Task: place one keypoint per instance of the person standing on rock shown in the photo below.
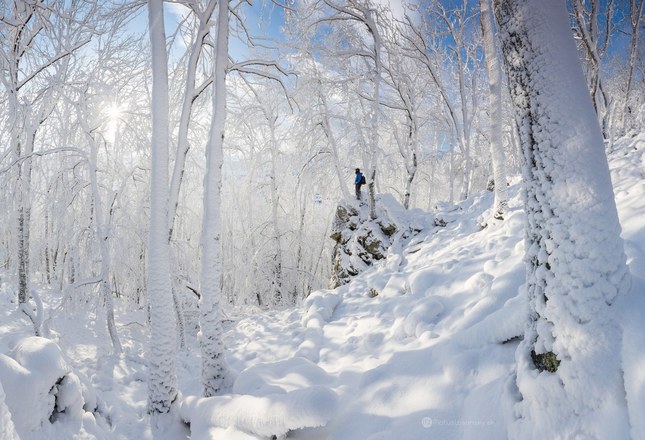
(358, 182)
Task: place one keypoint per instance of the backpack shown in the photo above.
(363, 181)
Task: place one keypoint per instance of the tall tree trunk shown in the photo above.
(24, 227)
(376, 102)
(102, 237)
(575, 257)
(212, 347)
(464, 135)
(635, 16)
(162, 383)
(46, 252)
(190, 94)
(275, 203)
(494, 69)
(411, 169)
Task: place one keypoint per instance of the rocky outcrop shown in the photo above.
(360, 242)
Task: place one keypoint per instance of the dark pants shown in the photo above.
(358, 191)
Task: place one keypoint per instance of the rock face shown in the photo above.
(360, 242)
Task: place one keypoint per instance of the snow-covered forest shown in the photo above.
(183, 253)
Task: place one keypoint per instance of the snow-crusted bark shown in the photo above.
(495, 85)
(162, 382)
(568, 369)
(212, 347)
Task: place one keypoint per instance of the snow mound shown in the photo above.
(280, 377)
(42, 392)
(420, 319)
(7, 430)
(500, 326)
(270, 415)
(269, 399)
(320, 306)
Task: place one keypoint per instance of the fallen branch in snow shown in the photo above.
(37, 317)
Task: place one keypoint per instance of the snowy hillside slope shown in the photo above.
(428, 352)
(431, 356)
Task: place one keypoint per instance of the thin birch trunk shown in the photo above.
(494, 68)
(162, 383)
(212, 346)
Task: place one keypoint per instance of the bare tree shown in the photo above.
(425, 43)
(365, 14)
(34, 64)
(595, 42)
(635, 17)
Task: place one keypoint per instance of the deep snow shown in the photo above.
(432, 356)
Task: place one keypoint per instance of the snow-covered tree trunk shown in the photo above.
(103, 237)
(275, 204)
(635, 16)
(162, 382)
(212, 347)
(411, 169)
(494, 69)
(370, 22)
(464, 134)
(568, 371)
(191, 92)
(24, 222)
(24, 225)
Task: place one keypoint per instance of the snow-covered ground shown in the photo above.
(430, 356)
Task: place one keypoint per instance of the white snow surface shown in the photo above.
(432, 356)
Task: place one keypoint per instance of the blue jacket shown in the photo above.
(359, 177)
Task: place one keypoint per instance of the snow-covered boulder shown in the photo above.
(41, 388)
